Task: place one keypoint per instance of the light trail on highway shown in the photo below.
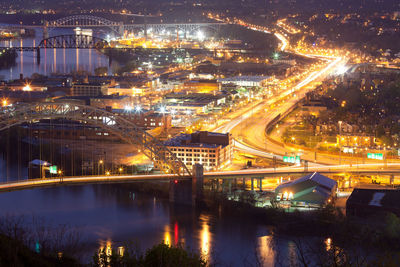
(366, 169)
(333, 63)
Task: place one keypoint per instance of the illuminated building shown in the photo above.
(311, 190)
(212, 150)
(202, 86)
(89, 89)
(247, 81)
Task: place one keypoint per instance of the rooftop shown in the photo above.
(244, 78)
(185, 140)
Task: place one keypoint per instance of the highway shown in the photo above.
(363, 169)
(248, 128)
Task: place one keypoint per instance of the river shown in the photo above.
(118, 214)
(52, 60)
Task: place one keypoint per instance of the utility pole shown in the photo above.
(340, 142)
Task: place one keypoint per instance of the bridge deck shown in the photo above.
(367, 169)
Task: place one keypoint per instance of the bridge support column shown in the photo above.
(188, 192)
(252, 184)
(38, 56)
(229, 186)
(244, 183)
(391, 181)
(260, 184)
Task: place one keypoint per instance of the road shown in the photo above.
(366, 169)
(248, 128)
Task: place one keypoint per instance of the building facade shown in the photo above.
(89, 89)
(212, 150)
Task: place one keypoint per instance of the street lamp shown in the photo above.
(98, 166)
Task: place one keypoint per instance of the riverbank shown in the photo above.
(379, 234)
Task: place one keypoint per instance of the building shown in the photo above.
(354, 140)
(201, 86)
(311, 190)
(129, 91)
(212, 150)
(247, 81)
(147, 119)
(11, 97)
(195, 103)
(100, 101)
(89, 89)
(367, 202)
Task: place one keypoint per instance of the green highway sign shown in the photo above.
(53, 169)
(375, 156)
(291, 159)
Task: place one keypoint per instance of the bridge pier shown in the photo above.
(188, 192)
(38, 56)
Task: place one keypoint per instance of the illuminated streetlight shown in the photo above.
(27, 88)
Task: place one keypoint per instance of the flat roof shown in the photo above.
(245, 78)
(182, 141)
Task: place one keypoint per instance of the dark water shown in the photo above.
(117, 214)
(52, 60)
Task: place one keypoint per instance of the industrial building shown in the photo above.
(311, 190)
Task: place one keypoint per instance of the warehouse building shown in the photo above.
(311, 190)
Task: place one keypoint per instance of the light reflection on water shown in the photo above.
(52, 60)
(109, 217)
(205, 238)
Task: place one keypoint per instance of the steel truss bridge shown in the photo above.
(125, 129)
(70, 41)
(89, 21)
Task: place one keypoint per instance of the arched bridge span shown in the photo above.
(125, 129)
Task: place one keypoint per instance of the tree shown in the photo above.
(100, 71)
